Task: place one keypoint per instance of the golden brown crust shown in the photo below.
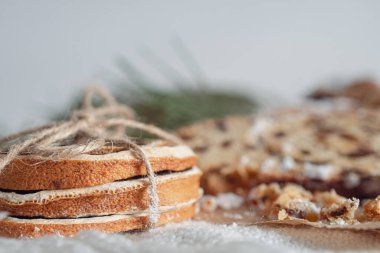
(130, 199)
(31, 230)
(28, 174)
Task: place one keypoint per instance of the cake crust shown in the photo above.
(31, 228)
(119, 197)
(87, 170)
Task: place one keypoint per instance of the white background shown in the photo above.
(50, 50)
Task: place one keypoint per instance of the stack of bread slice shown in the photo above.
(106, 190)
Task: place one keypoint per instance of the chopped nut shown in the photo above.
(264, 195)
(294, 202)
(283, 215)
(372, 209)
(303, 209)
(327, 199)
(344, 211)
(208, 203)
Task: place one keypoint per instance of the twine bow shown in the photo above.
(87, 130)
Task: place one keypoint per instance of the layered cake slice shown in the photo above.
(106, 190)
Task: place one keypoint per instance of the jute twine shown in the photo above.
(87, 130)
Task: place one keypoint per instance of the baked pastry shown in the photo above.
(318, 149)
(86, 173)
(220, 145)
(291, 201)
(363, 93)
(125, 196)
(30, 228)
(110, 187)
(103, 166)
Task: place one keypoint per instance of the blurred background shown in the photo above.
(274, 52)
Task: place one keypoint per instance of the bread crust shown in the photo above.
(172, 189)
(29, 174)
(10, 228)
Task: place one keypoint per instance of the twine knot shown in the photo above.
(87, 130)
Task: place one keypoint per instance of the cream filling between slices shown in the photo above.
(134, 210)
(119, 186)
(157, 152)
(179, 151)
(101, 219)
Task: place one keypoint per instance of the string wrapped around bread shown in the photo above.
(87, 130)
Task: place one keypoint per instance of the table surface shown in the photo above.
(207, 233)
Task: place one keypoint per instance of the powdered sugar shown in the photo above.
(226, 201)
(303, 204)
(338, 221)
(318, 171)
(259, 126)
(287, 148)
(235, 216)
(352, 180)
(288, 163)
(229, 200)
(244, 160)
(195, 236)
(268, 165)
